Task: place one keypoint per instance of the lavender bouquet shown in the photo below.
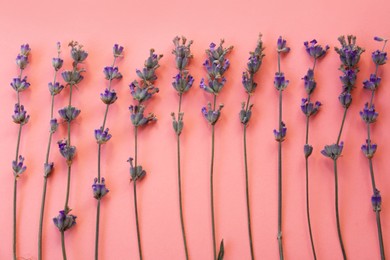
(182, 83)
(349, 56)
(280, 84)
(64, 220)
(102, 136)
(254, 62)
(54, 88)
(21, 118)
(369, 116)
(216, 65)
(309, 109)
(141, 91)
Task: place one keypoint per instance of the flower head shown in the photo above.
(77, 52)
(55, 88)
(345, 99)
(64, 221)
(182, 82)
(53, 125)
(248, 83)
(67, 151)
(256, 57)
(282, 45)
(117, 50)
(368, 114)
(179, 124)
(369, 149)
(245, 114)
(307, 150)
(48, 169)
(372, 83)
(101, 136)
(348, 79)
(69, 113)
(280, 82)
(151, 63)
(25, 49)
(112, 73)
(109, 96)
(310, 84)
(20, 115)
(280, 135)
(218, 54)
(376, 201)
(379, 57)
(349, 52)
(18, 166)
(21, 61)
(333, 151)
(210, 115)
(182, 52)
(99, 189)
(137, 116)
(142, 93)
(136, 173)
(72, 77)
(308, 108)
(57, 63)
(19, 84)
(315, 50)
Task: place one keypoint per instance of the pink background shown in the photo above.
(140, 26)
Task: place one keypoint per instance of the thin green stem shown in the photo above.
(308, 209)
(18, 143)
(247, 194)
(307, 129)
(99, 155)
(41, 218)
(14, 218)
(337, 209)
(136, 219)
(212, 183)
(280, 180)
(97, 231)
(66, 207)
(342, 125)
(63, 246)
(381, 246)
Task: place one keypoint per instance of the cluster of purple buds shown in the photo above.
(282, 45)
(19, 84)
(280, 135)
(349, 52)
(248, 83)
(137, 116)
(182, 52)
(20, 115)
(77, 53)
(53, 125)
(57, 63)
(22, 58)
(376, 201)
(67, 151)
(48, 169)
(308, 108)
(348, 79)
(345, 99)
(109, 96)
(369, 115)
(136, 173)
(280, 82)
(182, 82)
(142, 93)
(372, 83)
(213, 86)
(72, 77)
(379, 57)
(179, 124)
(69, 113)
(101, 136)
(99, 189)
(111, 73)
(256, 57)
(369, 149)
(18, 167)
(307, 150)
(64, 221)
(211, 115)
(55, 88)
(117, 50)
(314, 50)
(309, 82)
(148, 73)
(245, 114)
(333, 151)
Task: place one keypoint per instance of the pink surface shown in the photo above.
(141, 25)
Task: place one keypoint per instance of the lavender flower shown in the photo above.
(376, 201)
(138, 118)
(77, 52)
(182, 52)
(21, 61)
(109, 96)
(314, 50)
(140, 93)
(136, 173)
(48, 169)
(182, 82)
(372, 83)
(151, 62)
(57, 63)
(308, 108)
(99, 189)
(245, 113)
(101, 136)
(282, 45)
(55, 88)
(349, 52)
(280, 135)
(369, 149)
(310, 83)
(64, 221)
(345, 99)
(177, 125)
(18, 167)
(280, 82)
(333, 151)
(19, 84)
(20, 115)
(307, 150)
(67, 151)
(25, 50)
(211, 115)
(69, 113)
(112, 73)
(117, 50)
(72, 77)
(379, 57)
(348, 79)
(53, 125)
(368, 114)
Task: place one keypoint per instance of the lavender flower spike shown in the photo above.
(333, 151)
(64, 221)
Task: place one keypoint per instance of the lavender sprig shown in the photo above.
(349, 56)
(254, 62)
(141, 91)
(309, 109)
(68, 114)
(216, 65)
(280, 84)
(182, 83)
(102, 136)
(54, 88)
(21, 118)
(369, 116)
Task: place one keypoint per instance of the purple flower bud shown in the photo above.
(333, 151)
(345, 99)
(280, 82)
(349, 79)
(19, 84)
(378, 39)
(183, 82)
(369, 149)
(20, 115)
(177, 125)
(136, 173)
(307, 150)
(55, 88)
(69, 113)
(308, 108)
(182, 52)
(21, 61)
(67, 151)
(108, 97)
(372, 83)
(53, 125)
(210, 115)
(25, 49)
(99, 189)
(314, 50)
(248, 83)
(57, 63)
(77, 52)
(137, 116)
(18, 167)
(368, 114)
(379, 57)
(245, 114)
(310, 84)
(376, 201)
(151, 63)
(117, 50)
(101, 136)
(349, 52)
(280, 135)
(48, 169)
(282, 45)
(64, 221)
(141, 94)
(72, 77)
(112, 73)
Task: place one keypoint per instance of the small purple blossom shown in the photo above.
(333, 151)
(18, 167)
(19, 84)
(53, 125)
(310, 84)
(218, 54)
(378, 39)
(151, 62)
(349, 52)
(57, 63)
(112, 73)
(349, 79)
(141, 94)
(307, 150)
(109, 96)
(67, 151)
(256, 58)
(245, 114)
(25, 49)
(101, 136)
(376, 201)
(280, 82)
(280, 135)
(210, 115)
(55, 88)
(308, 108)
(99, 189)
(64, 221)
(72, 77)
(248, 83)
(314, 50)
(136, 173)
(77, 52)
(179, 124)
(368, 114)
(182, 52)
(48, 169)
(182, 82)
(379, 57)
(282, 45)
(21, 61)
(117, 50)
(369, 149)
(372, 83)
(20, 115)
(137, 116)
(345, 99)
(69, 113)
